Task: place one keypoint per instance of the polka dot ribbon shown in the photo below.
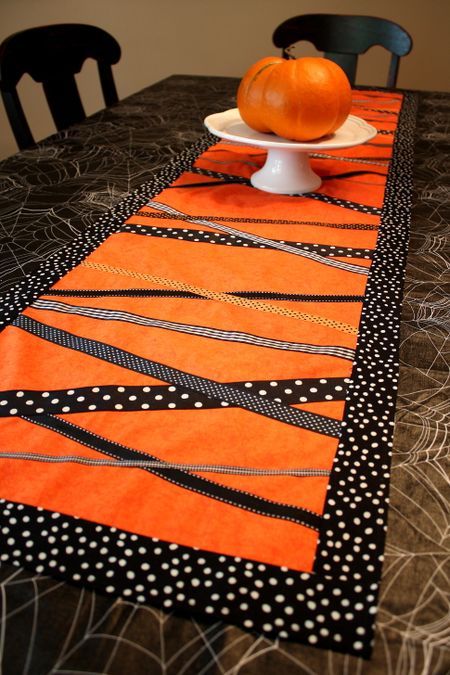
(224, 297)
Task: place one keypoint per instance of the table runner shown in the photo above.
(251, 345)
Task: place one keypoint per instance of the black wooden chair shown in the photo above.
(52, 55)
(343, 38)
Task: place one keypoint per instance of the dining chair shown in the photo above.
(343, 38)
(53, 55)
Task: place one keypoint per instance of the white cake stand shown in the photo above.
(287, 169)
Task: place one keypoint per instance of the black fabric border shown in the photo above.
(335, 606)
(275, 601)
(358, 491)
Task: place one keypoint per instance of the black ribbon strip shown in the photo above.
(234, 497)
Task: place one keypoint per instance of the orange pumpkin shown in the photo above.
(299, 99)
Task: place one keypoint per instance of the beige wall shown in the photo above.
(217, 37)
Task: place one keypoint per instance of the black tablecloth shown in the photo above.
(58, 189)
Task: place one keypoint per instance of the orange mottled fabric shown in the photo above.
(209, 340)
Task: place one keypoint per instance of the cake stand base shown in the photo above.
(286, 172)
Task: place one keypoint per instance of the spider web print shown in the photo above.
(53, 628)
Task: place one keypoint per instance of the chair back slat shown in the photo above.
(107, 83)
(393, 70)
(348, 63)
(64, 101)
(18, 121)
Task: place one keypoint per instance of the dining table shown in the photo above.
(209, 576)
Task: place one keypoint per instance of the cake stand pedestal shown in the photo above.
(287, 169)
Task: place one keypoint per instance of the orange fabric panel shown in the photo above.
(137, 500)
(159, 509)
(238, 200)
(223, 316)
(245, 269)
(290, 232)
(227, 361)
(222, 436)
(36, 364)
